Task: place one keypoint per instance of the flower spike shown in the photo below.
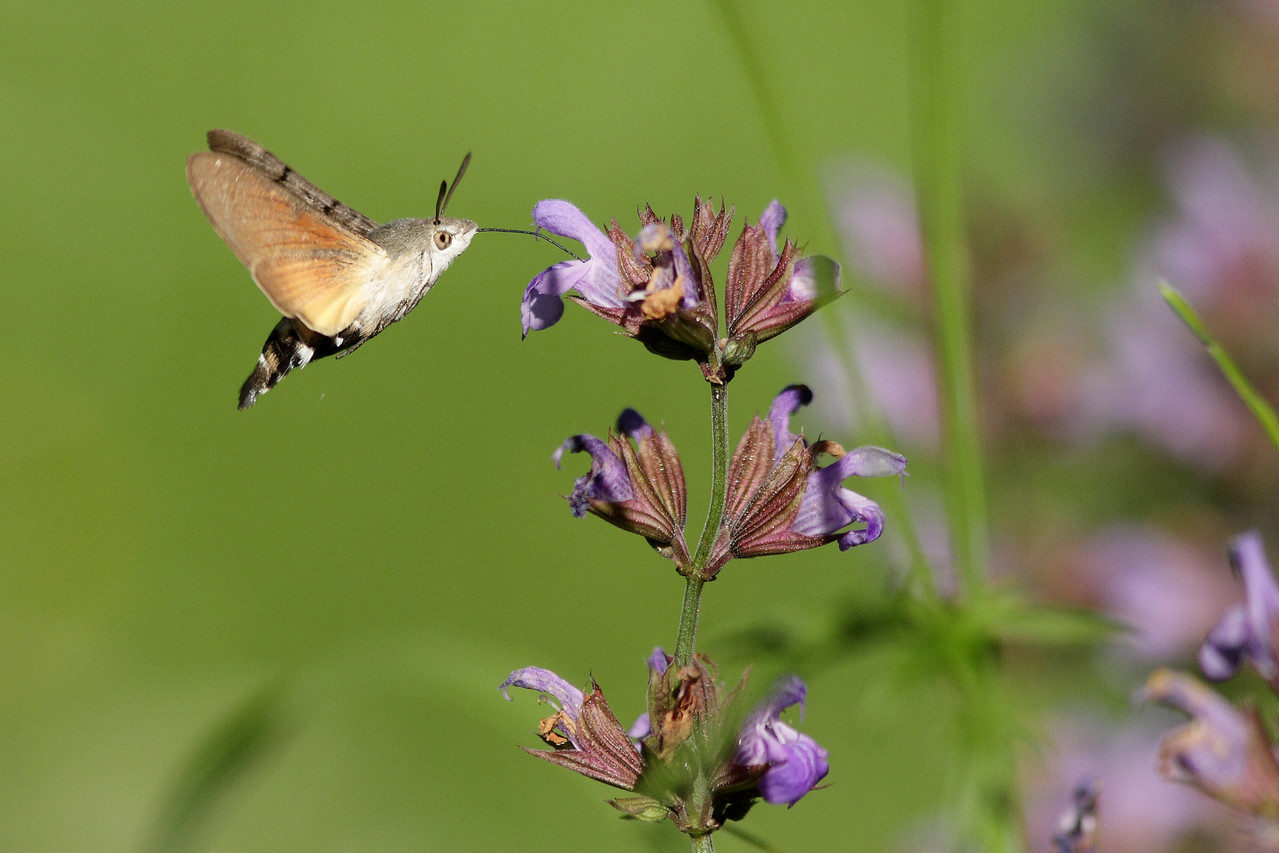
(657, 286)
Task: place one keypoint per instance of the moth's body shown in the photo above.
(337, 276)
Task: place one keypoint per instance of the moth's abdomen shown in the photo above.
(290, 346)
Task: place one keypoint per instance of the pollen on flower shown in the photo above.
(832, 448)
(546, 729)
(664, 302)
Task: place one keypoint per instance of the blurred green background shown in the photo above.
(381, 539)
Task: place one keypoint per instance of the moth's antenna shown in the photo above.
(535, 234)
(446, 191)
(439, 200)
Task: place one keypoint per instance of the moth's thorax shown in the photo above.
(414, 261)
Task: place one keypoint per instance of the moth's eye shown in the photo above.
(443, 239)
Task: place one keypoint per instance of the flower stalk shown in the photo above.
(686, 637)
(697, 757)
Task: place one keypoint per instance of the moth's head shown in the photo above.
(450, 237)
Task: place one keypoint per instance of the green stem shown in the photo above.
(686, 639)
(936, 151)
(687, 636)
(703, 844)
(1256, 404)
(719, 473)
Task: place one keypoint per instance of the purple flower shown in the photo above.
(583, 732)
(649, 286)
(1249, 629)
(595, 279)
(658, 289)
(1141, 811)
(874, 207)
(1223, 751)
(780, 501)
(636, 482)
(768, 290)
(795, 762)
(685, 732)
(568, 699)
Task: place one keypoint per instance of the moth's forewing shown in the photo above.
(307, 263)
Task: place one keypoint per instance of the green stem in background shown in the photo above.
(871, 427)
(687, 636)
(935, 104)
(734, 20)
(1260, 409)
(984, 784)
(801, 189)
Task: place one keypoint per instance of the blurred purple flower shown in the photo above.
(1155, 381)
(874, 211)
(1221, 249)
(1249, 630)
(1162, 586)
(1077, 828)
(874, 208)
(795, 761)
(1140, 811)
(1223, 243)
(1223, 751)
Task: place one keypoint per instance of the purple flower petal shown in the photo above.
(828, 507)
(795, 762)
(1261, 599)
(1247, 630)
(568, 697)
(1226, 645)
(816, 277)
(1223, 751)
(785, 404)
(567, 220)
(632, 423)
(772, 220)
(607, 480)
(595, 279)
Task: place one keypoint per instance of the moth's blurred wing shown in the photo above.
(310, 267)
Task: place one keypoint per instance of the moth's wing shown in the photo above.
(307, 263)
(238, 145)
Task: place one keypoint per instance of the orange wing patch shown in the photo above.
(310, 268)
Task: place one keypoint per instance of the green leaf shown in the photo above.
(238, 742)
(646, 809)
(1052, 625)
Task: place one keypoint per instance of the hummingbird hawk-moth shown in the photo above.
(338, 277)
